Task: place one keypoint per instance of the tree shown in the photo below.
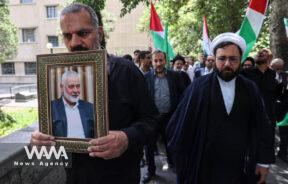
(185, 20)
(8, 34)
(278, 37)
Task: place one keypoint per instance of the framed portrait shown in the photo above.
(73, 97)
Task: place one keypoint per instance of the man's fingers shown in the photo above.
(99, 148)
(105, 155)
(42, 143)
(40, 136)
(103, 140)
(40, 139)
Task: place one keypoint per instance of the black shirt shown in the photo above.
(266, 83)
(130, 110)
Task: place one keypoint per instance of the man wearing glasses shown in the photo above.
(216, 135)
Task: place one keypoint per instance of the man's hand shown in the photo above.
(262, 172)
(40, 139)
(111, 146)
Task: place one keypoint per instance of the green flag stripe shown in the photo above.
(247, 32)
(286, 22)
(163, 45)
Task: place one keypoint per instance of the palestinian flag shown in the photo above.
(160, 35)
(206, 44)
(252, 23)
(284, 122)
(286, 25)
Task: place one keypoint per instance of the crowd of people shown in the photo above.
(216, 116)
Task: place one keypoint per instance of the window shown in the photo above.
(30, 68)
(8, 69)
(53, 40)
(26, 1)
(51, 11)
(28, 35)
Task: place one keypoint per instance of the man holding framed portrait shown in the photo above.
(114, 158)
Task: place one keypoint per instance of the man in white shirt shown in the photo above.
(72, 117)
(209, 67)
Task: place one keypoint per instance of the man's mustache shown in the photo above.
(227, 70)
(79, 48)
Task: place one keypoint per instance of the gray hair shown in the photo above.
(77, 7)
(69, 74)
(277, 61)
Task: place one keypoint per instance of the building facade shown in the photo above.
(37, 22)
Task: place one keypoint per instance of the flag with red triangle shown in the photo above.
(206, 44)
(160, 35)
(252, 23)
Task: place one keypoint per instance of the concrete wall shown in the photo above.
(12, 149)
(126, 38)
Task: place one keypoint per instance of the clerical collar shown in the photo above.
(228, 92)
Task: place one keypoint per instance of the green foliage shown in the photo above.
(8, 34)
(185, 19)
(129, 5)
(13, 119)
(97, 5)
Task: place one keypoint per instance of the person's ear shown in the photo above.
(100, 33)
(61, 87)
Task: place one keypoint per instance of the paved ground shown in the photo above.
(278, 175)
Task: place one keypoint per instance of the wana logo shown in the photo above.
(44, 153)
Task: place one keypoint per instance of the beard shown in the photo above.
(79, 48)
(71, 98)
(227, 74)
(159, 70)
(260, 62)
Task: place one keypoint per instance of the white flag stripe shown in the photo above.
(256, 19)
(161, 33)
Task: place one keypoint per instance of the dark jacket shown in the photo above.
(175, 83)
(282, 100)
(130, 110)
(266, 83)
(187, 129)
(59, 120)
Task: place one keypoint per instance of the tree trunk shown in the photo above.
(278, 37)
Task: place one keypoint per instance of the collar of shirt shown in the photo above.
(228, 92)
(68, 106)
(207, 71)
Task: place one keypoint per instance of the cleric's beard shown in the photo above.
(227, 76)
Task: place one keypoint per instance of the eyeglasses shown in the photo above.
(231, 59)
(247, 65)
(83, 33)
(210, 60)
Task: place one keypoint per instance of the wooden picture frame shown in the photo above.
(92, 69)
